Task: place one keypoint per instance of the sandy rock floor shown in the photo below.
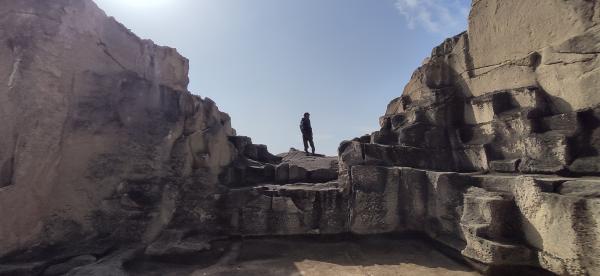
(309, 257)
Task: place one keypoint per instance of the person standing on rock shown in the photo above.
(307, 134)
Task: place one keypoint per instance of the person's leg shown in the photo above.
(305, 141)
(312, 145)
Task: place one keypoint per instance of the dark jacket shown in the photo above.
(305, 127)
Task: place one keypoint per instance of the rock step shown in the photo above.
(292, 209)
(488, 227)
(291, 167)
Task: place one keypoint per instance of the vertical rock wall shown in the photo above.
(100, 136)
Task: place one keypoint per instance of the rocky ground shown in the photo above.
(317, 256)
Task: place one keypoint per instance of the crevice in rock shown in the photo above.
(582, 60)
(593, 12)
(7, 173)
(105, 50)
(468, 58)
(583, 223)
(536, 60)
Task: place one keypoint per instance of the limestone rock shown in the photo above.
(292, 209)
(375, 204)
(513, 87)
(310, 168)
(101, 136)
(496, 220)
(516, 94)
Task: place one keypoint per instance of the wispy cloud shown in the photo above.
(444, 17)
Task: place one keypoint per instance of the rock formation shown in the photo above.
(100, 136)
(109, 165)
(511, 109)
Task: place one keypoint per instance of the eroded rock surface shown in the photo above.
(514, 102)
(102, 142)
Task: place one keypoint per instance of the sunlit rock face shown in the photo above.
(510, 111)
(100, 137)
(516, 93)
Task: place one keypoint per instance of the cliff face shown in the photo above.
(99, 133)
(511, 109)
(516, 88)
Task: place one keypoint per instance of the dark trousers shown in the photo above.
(308, 139)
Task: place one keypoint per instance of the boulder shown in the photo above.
(309, 168)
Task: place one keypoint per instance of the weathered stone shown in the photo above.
(297, 174)
(264, 155)
(108, 134)
(292, 209)
(505, 165)
(490, 229)
(310, 168)
(375, 207)
(112, 265)
(64, 268)
(173, 243)
(589, 188)
(282, 173)
(566, 221)
(22, 269)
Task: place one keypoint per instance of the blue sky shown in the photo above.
(266, 62)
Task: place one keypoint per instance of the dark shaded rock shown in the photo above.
(586, 165)
(173, 243)
(64, 268)
(240, 142)
(587, 189)
(263, 155)
(282, 173)
(24, 269)
(297, 174)
(505, 165)
(111, 265)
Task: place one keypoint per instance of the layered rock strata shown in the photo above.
(511, 107)
(494, 220)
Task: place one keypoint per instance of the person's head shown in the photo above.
(306, 115)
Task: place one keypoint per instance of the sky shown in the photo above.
(266, 62)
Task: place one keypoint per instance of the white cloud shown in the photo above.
(445, 17)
